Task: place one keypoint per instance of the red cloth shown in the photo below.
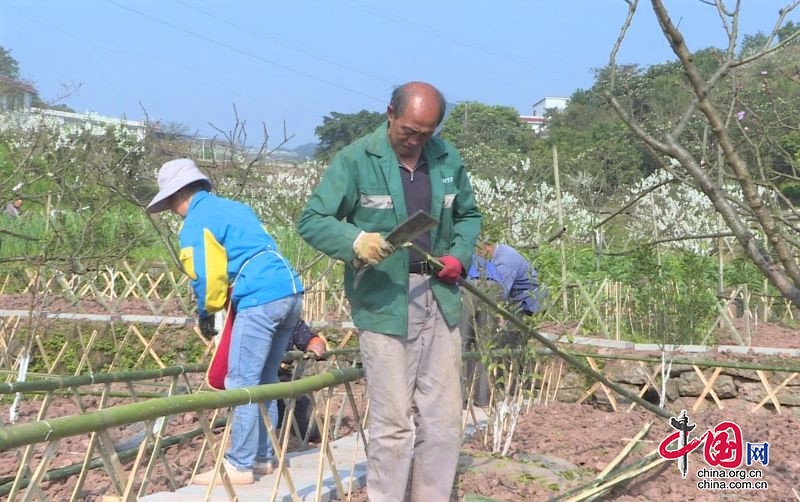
(452, 269)
(218, 368)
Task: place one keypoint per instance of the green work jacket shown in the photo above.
(362, 190)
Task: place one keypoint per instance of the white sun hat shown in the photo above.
(173, 176)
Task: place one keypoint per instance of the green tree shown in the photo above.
(789, 30)
(9, 67)
(594, 144)
(492, 139)
(499, 127)
(340, 129)
(751, 44)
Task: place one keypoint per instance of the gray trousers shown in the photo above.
(421, 369)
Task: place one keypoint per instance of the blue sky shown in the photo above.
(295, 61)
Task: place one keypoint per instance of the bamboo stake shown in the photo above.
(533, 385)
(5, 283)
(28, 452)
(33, 487)
(649, 383)
(770, 393)
(87, 458)
(708, 389)
(617, 480)
(42, 351)
(767, 300)
(625, 451)
(557, 181)
(148, 345)
(748, 336)
(591, 305)
(352, 400)
(326, 447)
(558, 381)
(543, 388)
(118, 354)
(60, 354)
(280, 450)
(352, 471)
(219, 471)
(777, 389)
(157, 450)
(618, 310)
(549, 383)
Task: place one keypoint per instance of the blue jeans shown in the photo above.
(259, 340)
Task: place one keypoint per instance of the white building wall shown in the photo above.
(536, 120)
(547, 103)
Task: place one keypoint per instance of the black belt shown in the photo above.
(420, 267)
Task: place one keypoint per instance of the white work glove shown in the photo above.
(371, 248)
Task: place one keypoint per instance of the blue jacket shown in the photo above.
(515, 275)
(223, 241)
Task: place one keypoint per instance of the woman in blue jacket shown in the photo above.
(224, 246)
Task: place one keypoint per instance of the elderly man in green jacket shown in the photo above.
(406, 313)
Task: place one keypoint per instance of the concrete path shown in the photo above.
(349, 456)
(303, 469)
(351, 462)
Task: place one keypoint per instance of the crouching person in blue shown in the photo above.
(514, 275)
(507, 277)
(223, 245)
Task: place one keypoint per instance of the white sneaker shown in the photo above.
(236, 476)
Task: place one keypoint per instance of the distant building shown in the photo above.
(98, 123)
(540, 109)
(71, 123)
(16, 99)
(15, 94)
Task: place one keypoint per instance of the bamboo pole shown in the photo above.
(616, 480)
(60, 382)
(564, 300)
(748, 318)
(23, 434)
(689, 362)
(569, 359)
(625, 451)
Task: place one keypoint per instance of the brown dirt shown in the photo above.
(591, 438)
(57, 304)
(583, 436)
